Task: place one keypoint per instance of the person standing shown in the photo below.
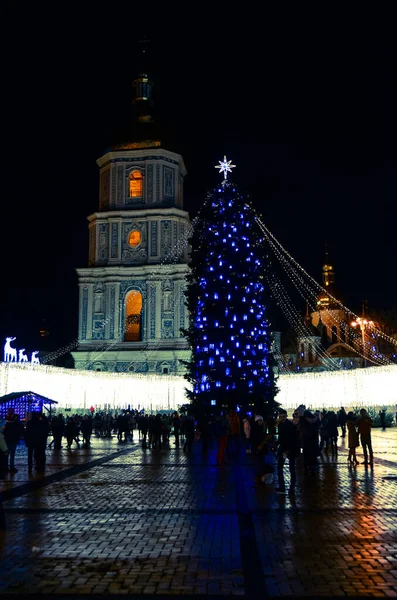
(247, 434)
(12, 435)
(3, 451)
(309, 426)
(364, 429)
(333, 431)
(234, 433)
(86, 430)
(342, 421)
(176, 422)
(29, 439)
(382, 414)
(352, 438)
(288, 447)
(189, 434)
(144, 428)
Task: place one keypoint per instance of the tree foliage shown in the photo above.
(229, 332)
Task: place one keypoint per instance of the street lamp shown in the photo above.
(362, 323)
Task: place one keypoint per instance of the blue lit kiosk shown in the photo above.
(24, 403)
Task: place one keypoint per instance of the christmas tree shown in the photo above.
(229, 334)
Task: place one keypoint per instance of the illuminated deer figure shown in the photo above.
(22, 357)
(35, 358)
(10, 354)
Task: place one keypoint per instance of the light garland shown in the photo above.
(317, 285)
(78, 389)
(295, 319)
(298, 281)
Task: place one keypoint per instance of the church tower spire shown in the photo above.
(328, 281)
(143, 85)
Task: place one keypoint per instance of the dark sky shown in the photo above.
(304, 105)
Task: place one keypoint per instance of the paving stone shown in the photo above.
(117, 520)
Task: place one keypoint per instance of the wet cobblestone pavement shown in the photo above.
(116, 520)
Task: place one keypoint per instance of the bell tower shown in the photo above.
(131, 296)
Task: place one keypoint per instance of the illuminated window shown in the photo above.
(136, 184)
(133, 317)
(134, 239)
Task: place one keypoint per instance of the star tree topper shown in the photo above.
(224, 167)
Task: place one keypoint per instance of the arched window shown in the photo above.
(134, 239)
(343, 331)
(136, 184)
(133, 316)
(334, 334)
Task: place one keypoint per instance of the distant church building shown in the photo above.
(131, 300)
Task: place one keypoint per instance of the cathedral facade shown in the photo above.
(131, 295)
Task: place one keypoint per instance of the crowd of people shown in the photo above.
(269, 443)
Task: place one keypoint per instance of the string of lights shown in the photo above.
(300, 283)
(295, 319)
(316, 284)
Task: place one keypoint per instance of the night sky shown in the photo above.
(307, 113)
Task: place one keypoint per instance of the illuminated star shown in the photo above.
(224, 167)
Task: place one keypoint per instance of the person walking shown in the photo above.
(364, 429)
(352, 438)
(57, 428)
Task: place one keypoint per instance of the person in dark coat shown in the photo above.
(176, 422)
(309, 426)
(342, 417)
(189, 434)
(333, 431)
(70, 431)
(86, 430)
(36, 434)
(382, 415)
(144, 428)
(352, 438)
(260, 447)
(288, 447)
(12, 434)
(57, 428)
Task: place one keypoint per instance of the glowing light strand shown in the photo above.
(316, 284)
(298, 282)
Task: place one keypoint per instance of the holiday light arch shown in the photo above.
(79, 389)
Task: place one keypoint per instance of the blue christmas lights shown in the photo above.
(231, 262)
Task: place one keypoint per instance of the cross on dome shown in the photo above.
(224, 167)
